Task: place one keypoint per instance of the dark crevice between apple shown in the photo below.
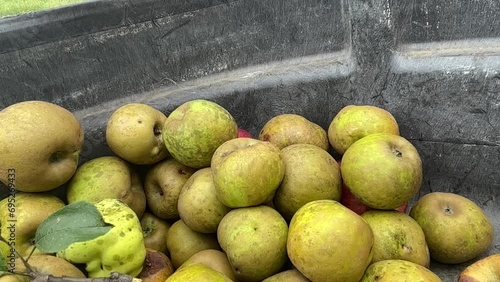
(157, 131)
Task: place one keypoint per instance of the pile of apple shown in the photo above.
(297, 203)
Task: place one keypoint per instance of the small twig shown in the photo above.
(114, 277)
(25, 262)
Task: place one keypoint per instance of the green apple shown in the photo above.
(107, 177)
(40, 143)
(329, 242)
(198, 204)
(155, 232)
(398, 270)
(397, 236)
(456, 229)
(254, 239)
(133, 132)
(383, 171)
(246, 172)
(20, 217)
(483, 270)
(287, 129)
(195, 129)
(163, 184)
(183, 242)
(354, 122)
(311, 173)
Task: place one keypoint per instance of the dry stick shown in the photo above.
(113, 277)
(26, 264)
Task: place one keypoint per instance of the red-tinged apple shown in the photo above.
(383, 171)
(350, 201)
(242, 133)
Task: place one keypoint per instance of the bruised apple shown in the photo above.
(157, 267)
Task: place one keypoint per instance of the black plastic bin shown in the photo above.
(434, 64)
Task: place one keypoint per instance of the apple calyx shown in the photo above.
(397, 152)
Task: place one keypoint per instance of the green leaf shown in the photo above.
(76, 222)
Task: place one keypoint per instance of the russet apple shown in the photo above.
(133, 132)
(43, 264)
(254, 239)
(40, 144)
(163, 184)
(195, 129)
(354, 122)
(215, 259)
(183, 242)
(198, 204)
(329, 242)
(287, 129)
(398, 270)
(107, 177)
(311, 173)
(197, 273)
(383, 171)
(20, 218)
(456, 229)
(246, 172)
(290, 275)
(397, 236)
(486, 269)
(155, 232)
